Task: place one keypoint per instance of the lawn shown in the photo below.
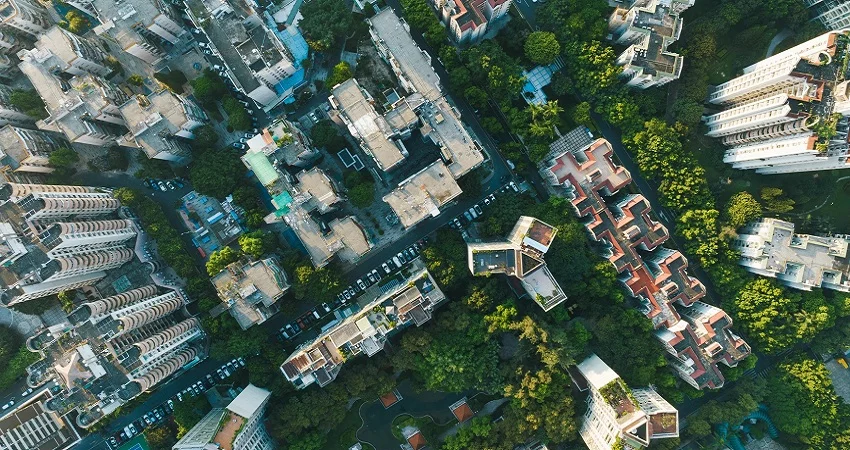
(345, 434)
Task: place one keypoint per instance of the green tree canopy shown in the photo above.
(775, 200)
(316, 285)
(341, 72)
(542, 47)
(29, 102)
(220, 259)
(216, 173)
(208, 88)
(741, 209)
(325, 135)
(324, 22)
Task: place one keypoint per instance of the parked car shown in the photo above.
(7, 405)
(473, 213)
(396, 262)
(203, 45)
(346, 294)
(207, 52)
(170, 185)
(26, 392)
(371, 277)
(361, 284)
(313, 117)
(467, 216)
(162, 186)
(226, 371)
(513, 186)
(179, 397)
(386, 268)
(196, 30)
(478, 210)
(401, 257)
(486, 202)
(376, 274)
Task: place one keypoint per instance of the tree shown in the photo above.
(162, 437)
(189, 412)
(656, 149)
(542, 47)
(75, 22)
(136, 79)
(220, 259)
(237, 114)
(476, 97)
(66, 298)
(446, 259)
(741, 209)
(208, 88)
(315, 285)
(252, 244)
(324, 22)
(325, 135)
(701, 229)
(340, 73)
(776, 318)
(116, 158)
(581, 114)
(775, 200)
(29, 102)
(216, 173)
(205, 137)
(64, 161)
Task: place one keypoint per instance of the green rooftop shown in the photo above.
(282, 202)
(262, 167)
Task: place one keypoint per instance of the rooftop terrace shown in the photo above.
(423, 194)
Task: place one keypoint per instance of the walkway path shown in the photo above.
(828, 197)
(781, 36)
(377, 420)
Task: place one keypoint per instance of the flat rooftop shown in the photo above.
(126, 17)
(448, 131)
(411, 60)
(138, 111)
(365, 123)
(492, 260)
(320, 187)
(423, 194)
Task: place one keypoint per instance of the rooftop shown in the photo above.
(251, 289)
(122, 20)
(249, 401)
(423, 194)
(214, 224)
(320, 187)
(445, 128)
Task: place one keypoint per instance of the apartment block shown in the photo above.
(286, 140)
(162, 125)
(30, 425)
(300, 200)
(521, 257)
(146, 29)
(371, 130)
(656, 277)
(250, 290)
(84, 107)
(28, 151)
(213, 224)
(469, 21)
(619, 417)
(789, 112)
(238, 426)
(59, 238)
(26, 16)
(381, 311)
(9, 114)
(69, 53)
(648, 27)
(833, 14)
(770, 248)
(422, 194)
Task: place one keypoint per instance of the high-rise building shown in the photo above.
(787, 113)
(696, 336)
(468, 21)
(31, 425)
(146, 29)
(648, 27)
(833, 14)
(28, 151)
(238, 426)
(619, 417)
(27, 16)
(69, 53)
(58, 238)
(769, 247)
(521, 257)
(250, 290)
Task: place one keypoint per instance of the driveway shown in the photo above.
(377, 420)
(840, 379)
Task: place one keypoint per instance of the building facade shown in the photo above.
(469, 21)
(28, 151)
(648, 27)
(789, 112)
(26, 16)
(769, 247)
(619, 417)
(833, 14)
(696, 336)
(71, 54)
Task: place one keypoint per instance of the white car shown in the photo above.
(7, 405)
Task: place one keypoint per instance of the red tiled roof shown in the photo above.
(417, 441)
(389, 399)
(463, 412)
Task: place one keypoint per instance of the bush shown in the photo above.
(29, 102)
(341, 72)
(136, 79)
(174, 80)
(116, 159)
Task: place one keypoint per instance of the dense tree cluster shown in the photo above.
(15, 355)
(325, 135)
(341, 72)
(361, 188)
(29, 102)
(325, 22)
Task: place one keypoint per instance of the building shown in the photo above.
(162, 125)
(619, 417)
(696, 336)
(250, 290)
(26, 16)
(769, 247)
(68, 53)
(423, 194)
(28, 151)
(381, 312)
(30, 425)
(371, 130)
(521, 256)
(84, 107)
(833, 14)
(647, 28)
(238, 426)
(9, 114)
(213, 224)
(787, 113)
(300, 201)
(256, 58)
(58, 238)
(468, 21)
(146, 29)
(459, 151)
(287, 141)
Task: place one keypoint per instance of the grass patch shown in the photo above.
(345, 434)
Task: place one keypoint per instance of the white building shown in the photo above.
(769, 247)
(648, 27)
(70, 53)
(620, 417)
(787, 113)
(27, 16)
(28, 151)
(833, 14)
(238, 426)
(468, 21)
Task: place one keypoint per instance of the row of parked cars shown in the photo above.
(162, 411)
(310, 318)
(164, 185)
(11, 401)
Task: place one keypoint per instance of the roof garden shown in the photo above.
(620, 397)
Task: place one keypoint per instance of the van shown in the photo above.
(316, 314)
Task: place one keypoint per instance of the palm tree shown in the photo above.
(551, 109)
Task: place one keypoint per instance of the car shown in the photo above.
(162, 186)
(234, 362)
(241, 361)
(313, 117)
(196, 30)
(220, 373)
(396, 262)
(216, 67)
(301, 324)
(203, 45)
(113, 441)
(401, 257)
(326, 307)
(492, 197)
(513, 186)
(346, 294)
(473, 213)
(26, 392)
(179, 397)
(170, 185)
(245, 104)
(132, 429)
(352, 291)
(361, 284)
(456, 223)
(249, 135)
(409, 253)
(468, 216)
(478, 210)
(207, 52)
(250, 112)
(285, 335)
(371, 277)
(243, 140)
(226, 371)
(376, 274)
(386, 268)
(7, 405)
(159, 415)
(486, 202)
(147, 183)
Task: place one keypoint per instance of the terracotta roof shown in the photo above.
(417, 441)
(389, 399)
(463, 412)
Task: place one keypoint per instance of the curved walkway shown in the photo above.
(828, 197)
(781, 36)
